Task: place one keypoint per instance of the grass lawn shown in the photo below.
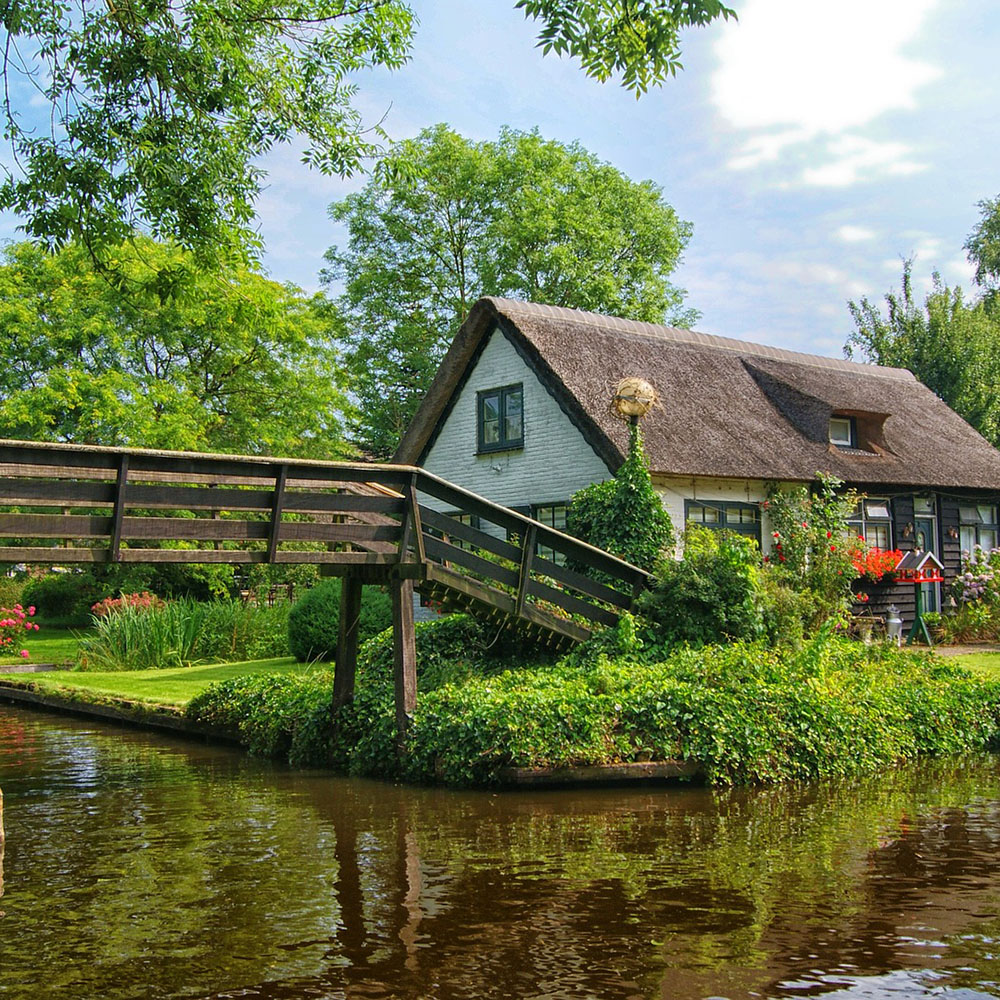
(156, 687)
(985, 665)
(49, 645)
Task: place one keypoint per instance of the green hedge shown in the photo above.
(314, 621)
(745, 712)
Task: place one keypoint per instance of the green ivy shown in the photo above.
(747, 713)
(624, 515)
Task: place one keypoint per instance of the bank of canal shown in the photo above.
(138, 866)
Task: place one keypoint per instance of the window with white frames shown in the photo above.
(873, 522)
(842, 432)
(978, 526)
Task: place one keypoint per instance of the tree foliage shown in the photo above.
(639, 42)
(160, 110)
(983, 245)
(521, 217)
(153, 114)
(950, 343)
(158, 354)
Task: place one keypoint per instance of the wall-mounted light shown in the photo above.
(908, 529)
(953, 533)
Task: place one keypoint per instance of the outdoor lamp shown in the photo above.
(633, 398)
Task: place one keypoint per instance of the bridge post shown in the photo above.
(347, 641)
(404, 651)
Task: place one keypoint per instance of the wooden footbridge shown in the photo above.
(389, 525)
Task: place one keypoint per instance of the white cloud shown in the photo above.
(852, 159)
(792, 73)
(855, 234)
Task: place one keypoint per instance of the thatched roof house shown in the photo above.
(519, 412)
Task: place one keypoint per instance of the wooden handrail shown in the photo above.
(112, 498)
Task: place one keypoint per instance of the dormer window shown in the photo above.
(842, 432)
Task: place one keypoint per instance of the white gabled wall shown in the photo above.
(555, 461)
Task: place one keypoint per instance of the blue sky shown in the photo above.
(812, 145)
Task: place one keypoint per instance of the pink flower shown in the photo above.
(24, 653)
(31, 610)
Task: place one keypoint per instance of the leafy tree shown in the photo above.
(522, 217)
(165, 356)
(983, 245)
(625, 515)
(154, 114)
(951, 344)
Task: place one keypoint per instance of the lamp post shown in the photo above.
(634, 398)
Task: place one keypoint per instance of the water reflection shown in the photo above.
(141, 868)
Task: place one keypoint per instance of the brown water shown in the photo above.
(141, 867)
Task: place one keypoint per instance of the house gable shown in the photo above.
(555, 459)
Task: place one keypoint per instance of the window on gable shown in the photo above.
(842, 432)
(500, 419)
(978, 526)
(741, 517)
(873, 522)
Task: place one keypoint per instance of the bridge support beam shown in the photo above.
(404, 656)
(347, 641)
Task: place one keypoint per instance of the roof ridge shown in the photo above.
(677, 335)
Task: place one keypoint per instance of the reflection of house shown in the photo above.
(519, 413)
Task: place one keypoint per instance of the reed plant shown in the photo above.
(182, 633)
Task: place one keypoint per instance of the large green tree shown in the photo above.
(522, 217)
(164, 355)
(983, 245)
(125, 114)
(950, 342)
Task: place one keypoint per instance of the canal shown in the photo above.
(138, 866)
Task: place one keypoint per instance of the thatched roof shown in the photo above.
(727, 408)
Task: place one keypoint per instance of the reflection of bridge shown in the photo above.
(370, 524)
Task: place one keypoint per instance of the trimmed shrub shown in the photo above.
(314, 620)
(65, 597)
(625, 515)
(11, 591)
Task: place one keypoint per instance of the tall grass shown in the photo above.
(183, 633)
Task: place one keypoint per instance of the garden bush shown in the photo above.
(745, 712)
(314, 620)
(62, 597)
(715, 592)
(11, 590)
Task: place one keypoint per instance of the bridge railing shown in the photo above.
(68, 504)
